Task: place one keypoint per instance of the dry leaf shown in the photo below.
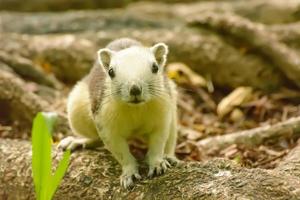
(237, 97)
(182, 74)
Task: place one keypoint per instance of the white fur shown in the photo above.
(118, 120)
(79, 102)
(133, 66)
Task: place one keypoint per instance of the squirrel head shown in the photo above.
(135, 74)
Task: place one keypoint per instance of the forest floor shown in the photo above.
(198, 119)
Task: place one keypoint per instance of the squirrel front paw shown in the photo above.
(129, 173)
(172, 160)
(72, 143)
(69, 142)
(158, 167)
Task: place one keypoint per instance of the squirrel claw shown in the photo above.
(127, 179)
(172, 160)
(159, 168)
(73, 143)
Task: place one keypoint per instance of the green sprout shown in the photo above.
(45, 182)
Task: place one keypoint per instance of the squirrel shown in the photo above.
(126, 94)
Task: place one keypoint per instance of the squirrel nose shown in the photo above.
(135, 90)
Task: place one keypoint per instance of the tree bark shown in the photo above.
(70, 57)
(57, 5)
(147, 14)
(27, 69)
(21, 105)
(95, 175)
(255, 34)
(288, 33)
(229, 65)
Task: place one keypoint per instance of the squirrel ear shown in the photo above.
(160, 51)
(104, 57)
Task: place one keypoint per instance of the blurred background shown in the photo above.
(236, 64)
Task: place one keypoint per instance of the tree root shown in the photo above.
(252, 137)
(22, 105)
(71, 57)
(56, 5)
(68, 57)
(291, 162)
(287, 33)
(255, 34)
(145, 15)
(95, 175)
(27, 69)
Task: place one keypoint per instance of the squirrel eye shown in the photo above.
(154, 68)
(111, 73)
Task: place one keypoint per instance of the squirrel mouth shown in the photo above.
(136, 101)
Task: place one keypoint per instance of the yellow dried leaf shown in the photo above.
(237, 97)
(181, 73)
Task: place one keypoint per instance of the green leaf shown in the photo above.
(41, 153)
(45, 184)
(59, 173)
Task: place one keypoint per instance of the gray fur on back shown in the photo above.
(122, 43)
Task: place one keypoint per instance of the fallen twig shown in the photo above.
(252, 137)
